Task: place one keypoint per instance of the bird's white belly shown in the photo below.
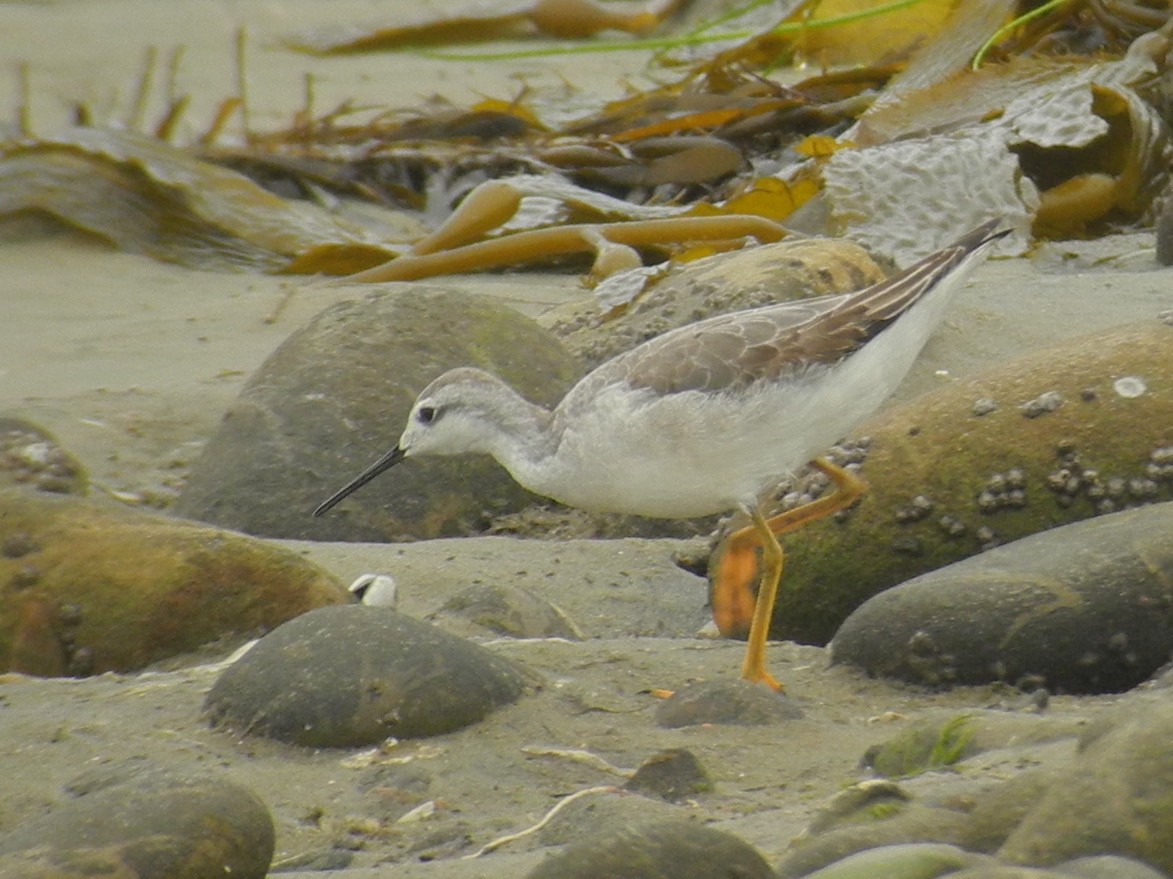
(696, 453)
(690, 454)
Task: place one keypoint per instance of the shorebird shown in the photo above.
(707, 417)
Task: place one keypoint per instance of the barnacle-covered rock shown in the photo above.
(985, 479)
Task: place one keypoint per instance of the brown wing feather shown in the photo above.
(734, 350)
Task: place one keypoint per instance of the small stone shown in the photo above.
(726, 701)
(668, 850)
(984, 406)
(673, 775)
(1046, 402)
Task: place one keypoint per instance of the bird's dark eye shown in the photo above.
(426, 414)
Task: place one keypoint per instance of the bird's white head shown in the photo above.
(459, 412)
(464, 410)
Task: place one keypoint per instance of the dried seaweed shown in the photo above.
(911, 139)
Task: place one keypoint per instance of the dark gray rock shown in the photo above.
(1081, 608)
(1115, 798)
(336, 395)
(154, 826)
(354, 675)
(669, 850)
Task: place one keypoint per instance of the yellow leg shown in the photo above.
(753, 668)
(736, 568)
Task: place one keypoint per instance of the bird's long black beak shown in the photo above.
(386, 462)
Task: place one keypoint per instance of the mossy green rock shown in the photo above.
(939, 448)
(89, 587)
(336, 395)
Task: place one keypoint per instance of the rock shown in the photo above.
(1108, 867)
(158, 826)
(668, 850)
(1000, 808)
(733, 701)
(876, 825)
(672, 775)
(30, 456)
(505, 609)
(352, 675)
(335, 396)
(1115, 798)
(92, 587)
(1164, 230)
(918, 860)
(764, 275)
(941, 740)
(1070, 607)
(926, 746)
(986, 479)
(1006, 871)
(604, 814)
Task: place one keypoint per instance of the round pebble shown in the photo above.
(733, 701)
(353, 675)
(668, 850)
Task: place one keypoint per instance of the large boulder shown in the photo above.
(90, 587)
(336, 395)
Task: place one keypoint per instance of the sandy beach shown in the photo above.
(131, 364)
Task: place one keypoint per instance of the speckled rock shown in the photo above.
(1076, 608)
(355, 675)
(158, 827)
(1115, 798)
(947, 482)
(668, 850)
(335, 396)
(89, 587)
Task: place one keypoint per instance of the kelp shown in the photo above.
(897, 152)
(567, 19)
(144, 196)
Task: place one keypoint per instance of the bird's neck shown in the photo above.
(525, 438)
